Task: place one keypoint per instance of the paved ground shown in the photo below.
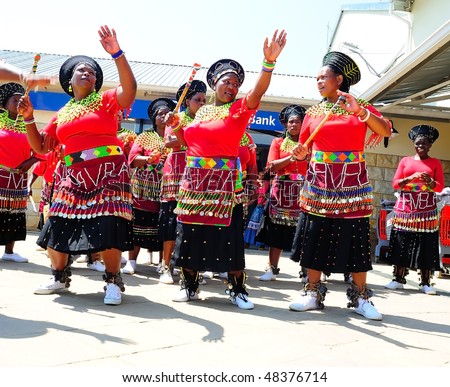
(149, 330)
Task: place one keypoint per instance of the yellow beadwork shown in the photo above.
(245, 140)
(212, 113)
(75, 109)
(7, 123)
(151, 141)
(288, 144)
(324, 107)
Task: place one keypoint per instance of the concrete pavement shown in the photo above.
(149, 330)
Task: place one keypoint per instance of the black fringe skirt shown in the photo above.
(145, 230)
(332, 245)
(211, 248)
(13, 227)
(414, 250)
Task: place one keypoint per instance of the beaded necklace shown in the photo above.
(7, 123)
(212, 113)
(75, 109)
(185, 119)
(324, 107)
(245, 141)
(150, 140)
(288, 144)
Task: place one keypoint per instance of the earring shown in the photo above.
(70, 88)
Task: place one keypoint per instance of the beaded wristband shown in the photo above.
(177, 127)
(29, 122)
(367, 116)
(117, 55)
(267, 66)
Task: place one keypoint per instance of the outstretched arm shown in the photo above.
(126, 92)
(12, 73)
(271, 52)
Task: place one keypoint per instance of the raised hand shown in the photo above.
(276, 45)
(108, 39)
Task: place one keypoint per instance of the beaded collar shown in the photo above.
(324, 107)
(288, 144)
(212, 113)
(245, 140)
(75, 109)
(185, 119)
(7, 123)
(150, 140)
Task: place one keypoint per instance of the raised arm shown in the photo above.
(126, 92)
(271, 52)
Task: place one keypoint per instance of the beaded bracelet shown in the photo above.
(366, 118)
(268, 66)
(117, 55)
(29, 122)
(176, 127)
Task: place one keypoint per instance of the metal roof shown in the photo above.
(163, 80)
(419, 86)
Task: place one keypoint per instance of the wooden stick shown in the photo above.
(325, 119)
(195, 68)
(37, 58)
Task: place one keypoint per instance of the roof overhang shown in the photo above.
(419, 86)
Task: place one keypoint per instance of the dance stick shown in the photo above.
(325, 119)
(195, 68)
(37, 58)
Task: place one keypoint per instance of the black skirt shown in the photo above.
(83, 236)
(414, 250)
(13, 227)
(145, 230)
(279, 236)
(167, 221)
(211, 248)
(332, 245)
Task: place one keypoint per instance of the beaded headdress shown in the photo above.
(157, 104)
(344, 65)
(430, 132)
(222, 67)
(291, 110)
(195, 87)
(66, 72)
(7, 90)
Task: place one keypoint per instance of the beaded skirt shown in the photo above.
(332, 245)
(211, 248)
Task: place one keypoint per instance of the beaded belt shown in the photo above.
(93, 153)
(337, 157)
(210, 162)
(292, 176)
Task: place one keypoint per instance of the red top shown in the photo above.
(409, 165)
(276, 153)
(247, 153)
(90, 130)
(14, 148)
(341, 132)
(220, 135)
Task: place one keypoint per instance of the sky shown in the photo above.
(178, 32)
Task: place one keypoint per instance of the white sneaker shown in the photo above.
(323, 277)
(14, 257)
(185, 295)
(367, 309)
(208, 275)
(130, 267)
(97, 266)
(113, 295)
(51, 287)
(166, 277)
(306, 302)
(268, 275)
(223, 275)
(123, 260)
(393, 285)
(83, 258)
(429, 290)
(159, 268)
(242, 301)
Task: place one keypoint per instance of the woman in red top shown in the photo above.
(284, 208)
(146, 159)
(210, 229)
(414, 240)
(333, 232)
(16, 158)
(91, 210)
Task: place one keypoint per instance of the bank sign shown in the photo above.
(265, 120)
